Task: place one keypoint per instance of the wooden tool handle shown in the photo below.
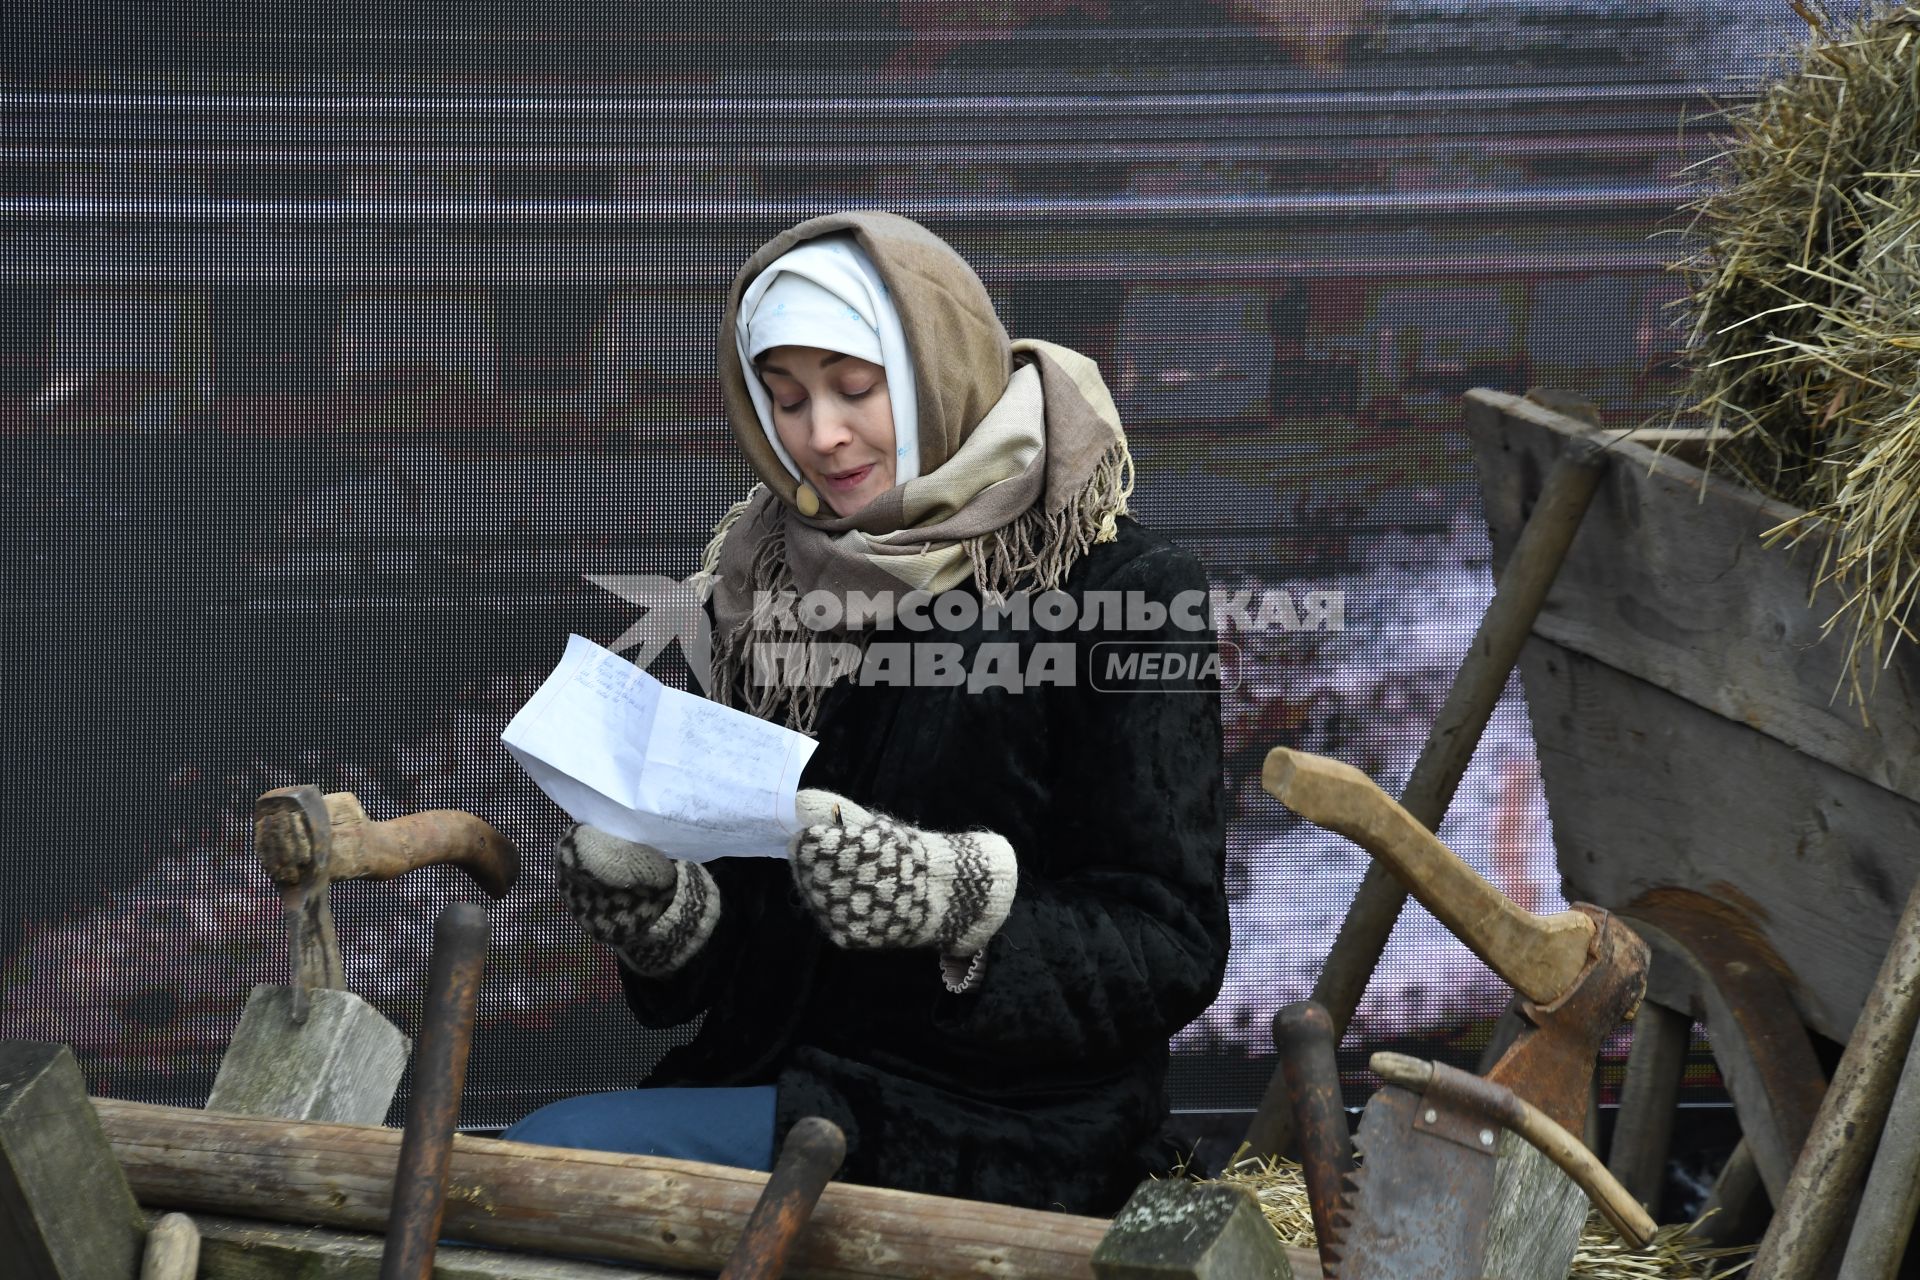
(1503, 1105)
(1878, 1242)
(363, 848)
(173, 1249)
(1539, 956)
(419, 1198)
(1303, 1037)
(809, 1158)
(1825, 1187)
(1517, 599)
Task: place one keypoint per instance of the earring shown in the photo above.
(807, 500)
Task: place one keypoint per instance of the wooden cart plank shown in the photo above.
(1646, 789)
(1669, 581)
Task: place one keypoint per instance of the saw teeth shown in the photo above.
(1333, 1252)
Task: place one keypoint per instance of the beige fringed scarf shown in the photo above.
(1014, 487)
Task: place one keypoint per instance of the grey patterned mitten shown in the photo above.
(874, 881)
(654, 912)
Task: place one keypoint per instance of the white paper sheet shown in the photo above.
(620, 751)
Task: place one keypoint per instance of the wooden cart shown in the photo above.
(1706, 773)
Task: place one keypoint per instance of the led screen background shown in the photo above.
(336, 352)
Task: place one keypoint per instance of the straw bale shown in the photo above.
(1804, 309)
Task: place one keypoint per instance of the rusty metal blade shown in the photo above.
(1418, 1204)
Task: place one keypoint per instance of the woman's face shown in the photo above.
(832, 413)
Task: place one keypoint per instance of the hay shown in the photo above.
(1602, 1254)
(1804, 340)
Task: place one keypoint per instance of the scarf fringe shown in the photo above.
(768, 579)
(710, 558)
(1035, 551)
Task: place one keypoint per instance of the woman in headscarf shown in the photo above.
(1008, 890)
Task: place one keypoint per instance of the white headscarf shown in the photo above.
(826, 293)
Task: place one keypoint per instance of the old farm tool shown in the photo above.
(1826, 1184)
(307, 841)
(1434, 1137)
(313, 1050)
(1303, 1034)
(809, 1158)
(1579, 973)
(1517, 599)
(440, 1076)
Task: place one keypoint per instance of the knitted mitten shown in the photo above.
(874, 881)
(653, 911)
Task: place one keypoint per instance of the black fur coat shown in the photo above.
(1044, 1085)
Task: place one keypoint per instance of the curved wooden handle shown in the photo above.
(1539, 956)
(1502, 1105)
(363, 848)
(810, 1156)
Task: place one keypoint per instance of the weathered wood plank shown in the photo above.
(1535, 1219)
(1646, 789)
(65, 1210)
(656, 1212)
(1668, 580)
(236, 1249)
(342, 1065)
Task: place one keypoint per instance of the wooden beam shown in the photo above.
(1535, 1215)
(1737, 1208)
(236, 1249)
(1824, 1191)
(638, 1209)
(1892, 1196)
(65, 1210)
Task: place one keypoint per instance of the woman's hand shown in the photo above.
(874, 881)
(654, 912)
